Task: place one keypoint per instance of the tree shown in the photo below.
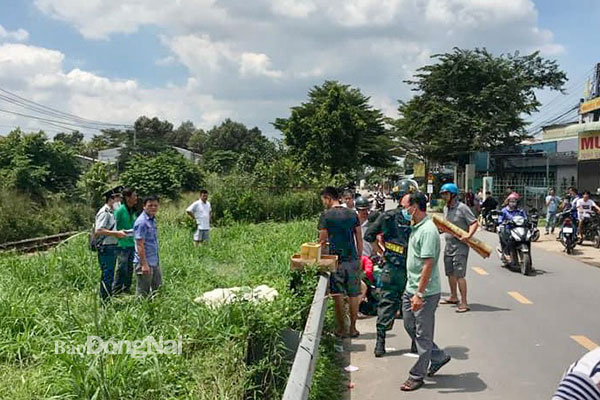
(30, 164)
(337, 131)
(232, 144)
(148, 138)
(197, 141)
(164, 174)
(74, 139)
(473, 101)
(182, 135)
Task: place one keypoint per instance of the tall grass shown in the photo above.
(233, 352)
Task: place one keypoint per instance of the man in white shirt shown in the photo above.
(584, 207)
(200, 211)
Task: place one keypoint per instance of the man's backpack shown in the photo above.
(93, 241)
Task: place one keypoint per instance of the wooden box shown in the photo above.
(327, 263)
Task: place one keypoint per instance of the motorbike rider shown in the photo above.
(395, 227)
(507, 214)
(584, 207)
(489, 204)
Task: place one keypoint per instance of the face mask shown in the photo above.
(116, 205)
(406, 214)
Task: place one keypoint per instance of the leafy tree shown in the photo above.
(30, 164)
(74, 139)
(197, 142)
(337, 131)
(233, 144)
(181, 136)
(471, 100)
(94, 182)
(107, 139)
(165, 174)
(148, 138)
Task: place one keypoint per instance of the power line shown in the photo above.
(51, 121)
(34, 106)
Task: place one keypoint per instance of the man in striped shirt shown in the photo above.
(582, 379)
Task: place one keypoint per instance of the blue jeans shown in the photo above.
(124, 273)
(550, 221)
(107, 257)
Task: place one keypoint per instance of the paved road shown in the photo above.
(508, 347)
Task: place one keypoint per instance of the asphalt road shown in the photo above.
(521, 334)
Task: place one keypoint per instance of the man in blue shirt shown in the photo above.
(146, 261)
(552, 202)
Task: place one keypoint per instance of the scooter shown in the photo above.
(491, 220)
(519, 245)
(568, 231)
(591, 229)
(534, 218)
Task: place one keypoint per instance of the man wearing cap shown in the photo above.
(107, 236)
(391, 281)
(456, 251)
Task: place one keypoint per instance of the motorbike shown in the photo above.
(534, 218)
(491, 220)
(519, 245)
(591, 229)
(380, 202)
(568, 231)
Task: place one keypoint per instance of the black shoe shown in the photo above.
(433, 368)
(380, 346)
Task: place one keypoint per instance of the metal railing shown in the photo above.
(36, 244)
(300, 379)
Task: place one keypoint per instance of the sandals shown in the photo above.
(462, 309)
(355, 334)
(448, 301)
(411, 384)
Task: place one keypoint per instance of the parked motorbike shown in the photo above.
(534, 218)
(591, 229)
(568, 231)
(491, 220)
(519, 245)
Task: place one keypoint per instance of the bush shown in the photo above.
(165, 174)
(21, 218)
(237, 198)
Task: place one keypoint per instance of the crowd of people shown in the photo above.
(126, 239)
(407, 280)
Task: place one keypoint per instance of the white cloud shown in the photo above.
(39, 74)
(20, 35)
(257, 64)
(253, 59)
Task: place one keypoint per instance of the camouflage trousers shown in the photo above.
(390, 285)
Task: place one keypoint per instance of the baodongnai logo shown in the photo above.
(134, 348)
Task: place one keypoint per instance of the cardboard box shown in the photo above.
(310, 251)
(327, 263)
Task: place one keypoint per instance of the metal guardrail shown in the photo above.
(36, 244)
(300, 379)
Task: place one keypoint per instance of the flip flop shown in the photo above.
(355, 334)
(340, 335)
(462, 309)
(447, 301)
(411, 384)
(436, 367)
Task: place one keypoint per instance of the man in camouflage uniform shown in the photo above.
(392, 279)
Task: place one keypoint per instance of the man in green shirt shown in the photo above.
(125, 217)
(422, 293)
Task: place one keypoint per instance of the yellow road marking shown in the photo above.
(520, 298)
(480, 271)
(585, 342)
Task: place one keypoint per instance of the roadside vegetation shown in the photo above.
(232, 352)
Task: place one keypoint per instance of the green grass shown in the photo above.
(234, 352)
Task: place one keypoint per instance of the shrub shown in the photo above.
(165, 174)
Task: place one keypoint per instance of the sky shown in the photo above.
(207, 60)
